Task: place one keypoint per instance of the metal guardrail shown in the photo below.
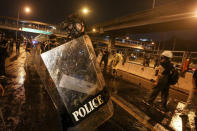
(138, 56)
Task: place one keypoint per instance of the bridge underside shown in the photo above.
(177, 15)
(160, 27)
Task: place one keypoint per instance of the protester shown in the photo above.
(53, 41)
(117, 59)
(156, 62)
(105, 59)
(162, 83)
(18, 47)
(125, 57)
(11, 46)
(42, 46)
(3, 54)
(191, 104)
(28, 46)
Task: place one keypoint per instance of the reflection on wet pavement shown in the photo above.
(122, 121)
(25, 105)
(176, 103)
(176, 122)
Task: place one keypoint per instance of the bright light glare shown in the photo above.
(85, 10)
(94, 30)
(152, 43)
(195, 13)
(27, 9)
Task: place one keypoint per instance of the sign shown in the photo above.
(89, 106)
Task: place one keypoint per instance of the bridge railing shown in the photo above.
(11, 22)
(149, 58)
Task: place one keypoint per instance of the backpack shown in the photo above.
(174, 76)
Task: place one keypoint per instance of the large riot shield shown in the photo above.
(75, 83)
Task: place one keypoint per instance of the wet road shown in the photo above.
(122, 121)
(26, 105)
(136, 95)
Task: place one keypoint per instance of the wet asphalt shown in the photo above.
(26, 105)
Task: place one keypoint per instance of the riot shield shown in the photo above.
(75, 83)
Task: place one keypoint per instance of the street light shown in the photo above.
(195, 13)
(27, 10)
(85, 11)
(94, 30)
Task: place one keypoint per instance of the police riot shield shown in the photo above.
(75, 83)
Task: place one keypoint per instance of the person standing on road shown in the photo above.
(53, 41)
(3, 54)
(191, 104)
(125, 57)
(156, 62)
(162, 83)
(105, 59)
(28, 46)
(192, 99)
(11, 46)
(117, 59)
(18, 47)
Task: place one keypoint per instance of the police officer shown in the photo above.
(162, 82)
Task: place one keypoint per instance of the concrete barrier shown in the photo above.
(149, 73)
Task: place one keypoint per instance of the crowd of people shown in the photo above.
(125, 56)
(7, 45)
(6, 49)
(116, 59)
(49, 44)
(167, 75)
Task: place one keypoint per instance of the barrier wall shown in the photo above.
(184, 83)
(149, 73)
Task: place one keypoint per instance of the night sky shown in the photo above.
(54, 11)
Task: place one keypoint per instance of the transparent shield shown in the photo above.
(74, 81)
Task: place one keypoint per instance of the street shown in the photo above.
(84, 66)
(27, 106)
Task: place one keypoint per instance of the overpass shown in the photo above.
(117, 43)
(10, 23)
(176, 15)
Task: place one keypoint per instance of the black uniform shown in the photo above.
(11, 46)
(163, 83)
(18, 47)
(195, 77)
(105, 59)
(28, 47)
(3, 54)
